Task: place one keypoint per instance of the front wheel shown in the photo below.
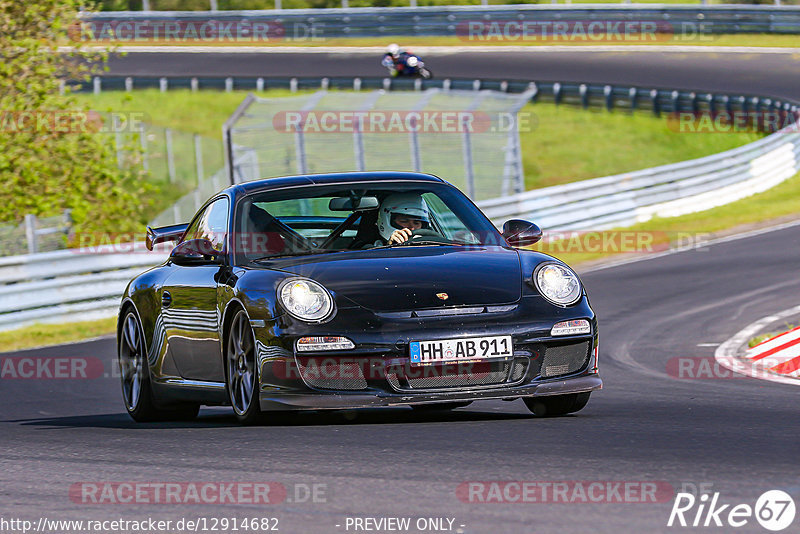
(557, 404)
(241, 370)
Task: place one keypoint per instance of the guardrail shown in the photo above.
(213, 5)
(56, 286)
(666, 191)
(471, 23)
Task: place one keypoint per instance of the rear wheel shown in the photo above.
(241, 369)
(135, 376)
(441, 406)
(426, 73)
(557, 404)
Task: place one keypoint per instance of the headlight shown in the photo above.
(557, 283)
(305, 299)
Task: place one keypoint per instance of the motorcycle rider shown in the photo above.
(395, 59)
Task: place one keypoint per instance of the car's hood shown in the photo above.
(410, 278)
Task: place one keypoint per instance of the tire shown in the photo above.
(137, 394)
(240, 370)
(441, 406)
(426, 73)
(557, 404)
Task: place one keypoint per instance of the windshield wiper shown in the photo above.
(299, 253)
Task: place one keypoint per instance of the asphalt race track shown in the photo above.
(738, 437)
(776, 74)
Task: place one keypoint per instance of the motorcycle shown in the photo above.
(412, 67)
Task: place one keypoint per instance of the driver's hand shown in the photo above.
(398, 236)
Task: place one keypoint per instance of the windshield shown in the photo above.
(323, 219)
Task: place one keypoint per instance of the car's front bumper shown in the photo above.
(378, 372)
(319, 400)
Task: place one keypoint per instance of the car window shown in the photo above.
(304, 220)
(446, 222)
(211, 224)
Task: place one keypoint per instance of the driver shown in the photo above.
(400, 214)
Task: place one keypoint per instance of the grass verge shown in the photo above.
(40, 335)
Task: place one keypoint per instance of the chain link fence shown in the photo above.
(435, 131)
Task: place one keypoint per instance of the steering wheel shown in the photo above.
(426, 236)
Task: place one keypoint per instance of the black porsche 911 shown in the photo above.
(351, 290)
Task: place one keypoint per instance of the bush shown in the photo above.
(47, 166)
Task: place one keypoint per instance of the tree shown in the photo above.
(53, 154)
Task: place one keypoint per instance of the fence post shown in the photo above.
(198, 158)
(557, 93)
(96, 85)
(278, 4)
(170, 155)
(469, 172)
(30, 233)
(358, 145)
(145, 5)
(416, 157)
(608, 92)
(128, 84)
(300, 148)
(654, 102)
(163, 85)
(584, 92)
(213, 5)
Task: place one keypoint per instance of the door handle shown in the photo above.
(166, 299)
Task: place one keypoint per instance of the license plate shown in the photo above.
(457, 350)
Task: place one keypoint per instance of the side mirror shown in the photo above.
(518, 233)
(195, 252)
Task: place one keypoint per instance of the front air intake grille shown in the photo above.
(455, 375)
(325, 372)
(565, 359)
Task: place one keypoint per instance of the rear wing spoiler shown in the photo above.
(164, 233)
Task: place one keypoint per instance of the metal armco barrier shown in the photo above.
(72, 285)
(69, 285)
(495, 22)
(666, 191)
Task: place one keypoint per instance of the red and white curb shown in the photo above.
(776, 359)
(780, 354)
